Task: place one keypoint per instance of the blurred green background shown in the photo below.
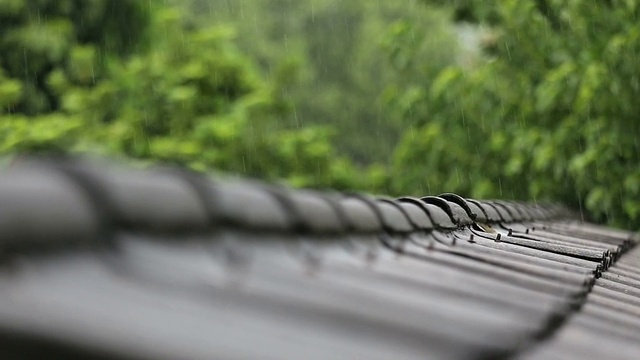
(515, 99)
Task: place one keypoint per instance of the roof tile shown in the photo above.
(39, 208)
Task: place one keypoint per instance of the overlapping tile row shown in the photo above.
(164, 263)
(607, 325)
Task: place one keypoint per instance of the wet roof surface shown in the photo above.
(112, 262)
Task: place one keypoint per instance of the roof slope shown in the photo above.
(163, 263)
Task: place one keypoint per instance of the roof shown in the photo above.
(101, 260)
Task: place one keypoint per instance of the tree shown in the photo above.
(330, 59)
(190, 98)
(72, 38)
(550, 114)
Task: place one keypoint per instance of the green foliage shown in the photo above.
(71, 37)
(330, 60)
(551, 113)
(191, 99)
